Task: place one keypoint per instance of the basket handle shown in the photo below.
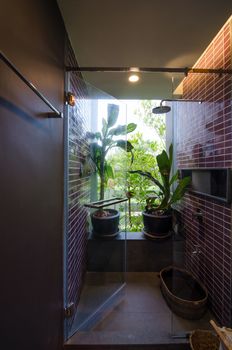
(222, 335)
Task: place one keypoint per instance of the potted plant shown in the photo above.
(157, 216)
(105, 222)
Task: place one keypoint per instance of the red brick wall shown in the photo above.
(78, 185)
(204, 139)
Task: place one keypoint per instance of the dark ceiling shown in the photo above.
(141, 33)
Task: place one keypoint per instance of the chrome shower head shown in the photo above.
(165, 109)
(161, 109)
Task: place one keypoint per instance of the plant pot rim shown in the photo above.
(157, 216)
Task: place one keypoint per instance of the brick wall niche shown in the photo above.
(203, 139)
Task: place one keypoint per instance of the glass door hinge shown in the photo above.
(69, 310)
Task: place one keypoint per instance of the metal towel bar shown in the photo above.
(105, 202)
(56, 114)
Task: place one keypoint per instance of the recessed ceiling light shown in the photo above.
(133, 78)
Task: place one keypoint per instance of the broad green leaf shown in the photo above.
(108, 141)
(181, 189)
(125, 145)
(149, 176)
(109, 171)
(171, 154)
(98, 135)
(95, 149)
(96, 153)
(163, 163)
(152, 193)
(119, 130)
(164, 205)
(112, 116)
(164, 168)
(104, 127)
(122, 129)
(131, 127)
(174, 178)
(129, 146)
(90, 135)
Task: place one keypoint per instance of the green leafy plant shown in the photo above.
(105, 140)
(162, 198)
(143, 152)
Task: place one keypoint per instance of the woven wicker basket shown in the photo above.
(204, 340)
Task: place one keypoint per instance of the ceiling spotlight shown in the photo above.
(133, 78)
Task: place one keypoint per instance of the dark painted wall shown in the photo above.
(32, 35)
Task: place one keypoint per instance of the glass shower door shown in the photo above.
(189, 277)
(94, 263)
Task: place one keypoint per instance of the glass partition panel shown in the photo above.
(94, 230)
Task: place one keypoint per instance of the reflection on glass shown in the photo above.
(96, 264)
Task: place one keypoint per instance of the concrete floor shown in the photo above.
(142, 317)
(98, 287)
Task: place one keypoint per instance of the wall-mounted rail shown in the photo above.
(185, 70)
(105, 203)
(56, 114)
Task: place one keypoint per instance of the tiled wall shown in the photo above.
(204, 140)
(78, 184)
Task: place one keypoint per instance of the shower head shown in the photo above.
(161, 109)
(165, 109)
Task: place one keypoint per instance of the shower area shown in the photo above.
(114, 291)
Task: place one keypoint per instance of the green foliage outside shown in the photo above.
(104, 141)
(155, 121)
(162, 198)
(145, 152)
